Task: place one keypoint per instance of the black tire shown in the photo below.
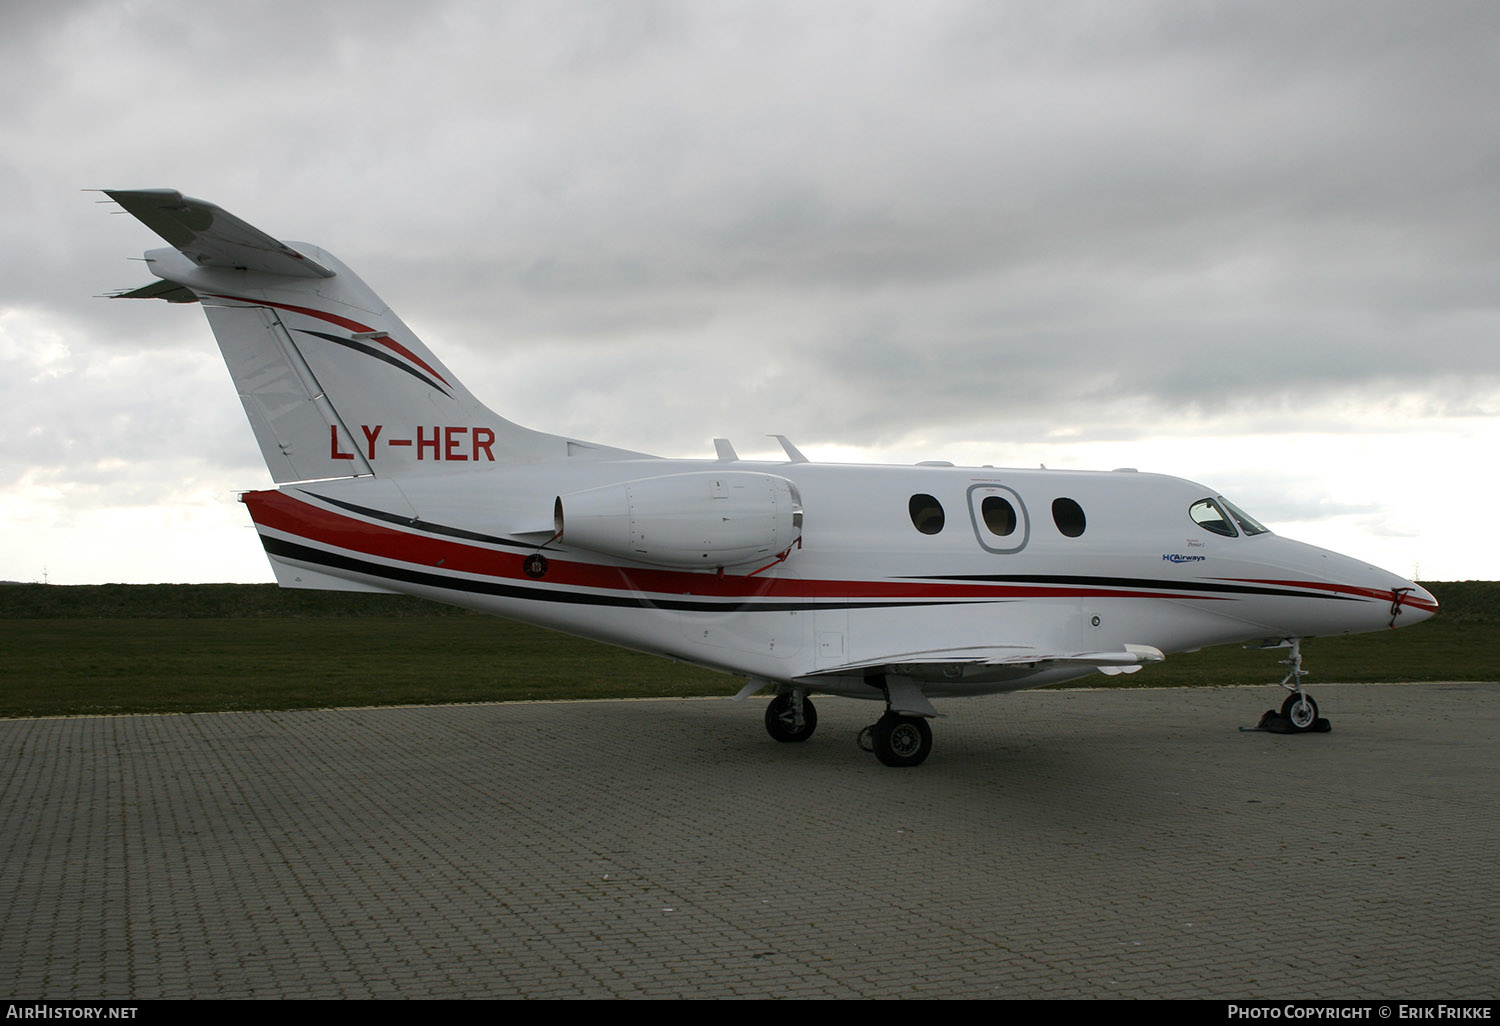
(902, 740)
(780, 723)
(1299, 712)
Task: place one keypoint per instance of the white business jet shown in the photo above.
(898, 584)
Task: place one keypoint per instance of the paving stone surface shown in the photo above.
(1056, 844)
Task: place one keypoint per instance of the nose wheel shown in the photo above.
(1300, 711)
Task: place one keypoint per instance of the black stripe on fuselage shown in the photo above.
(419, 524)
(503, 589)
(1143, 584)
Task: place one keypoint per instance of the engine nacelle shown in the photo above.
(700, 521)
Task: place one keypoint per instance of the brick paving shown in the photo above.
(1056, 844)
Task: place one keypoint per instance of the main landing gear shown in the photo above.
(902, 737)
(896, 739)
(791, 717)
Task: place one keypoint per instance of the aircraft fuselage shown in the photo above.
(862, 586)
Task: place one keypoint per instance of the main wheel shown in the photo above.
(781, 719)
(901, 740)
(1300, 711)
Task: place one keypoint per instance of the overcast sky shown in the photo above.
(1256, 245)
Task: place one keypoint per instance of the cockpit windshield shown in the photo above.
(1247, 523)
(1221, 516)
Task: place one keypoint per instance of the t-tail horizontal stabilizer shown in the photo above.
(211, 237)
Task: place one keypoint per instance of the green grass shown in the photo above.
(183, 648)
(111, 665)
(203, 601)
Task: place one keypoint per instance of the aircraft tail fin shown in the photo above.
(332, 381)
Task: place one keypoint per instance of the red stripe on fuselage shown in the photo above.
(1384, 595)
(346, 323)
(281, 512)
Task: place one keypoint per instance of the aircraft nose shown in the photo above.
(1411, 603)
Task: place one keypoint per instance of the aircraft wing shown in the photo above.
(211, 237)
(1127, 659)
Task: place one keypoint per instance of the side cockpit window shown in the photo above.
(1207, 514)
(1221, 516)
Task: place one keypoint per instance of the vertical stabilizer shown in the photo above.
(332, 381)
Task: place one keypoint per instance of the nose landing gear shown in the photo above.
(1299, 713)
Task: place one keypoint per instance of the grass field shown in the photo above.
(183, 648)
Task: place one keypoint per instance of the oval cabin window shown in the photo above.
(999, 515)
(926, 514)
(1068, 516)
